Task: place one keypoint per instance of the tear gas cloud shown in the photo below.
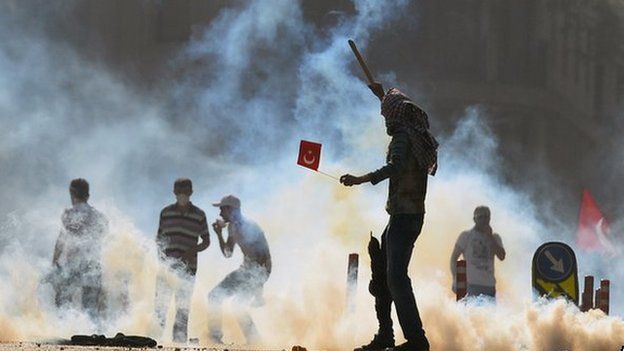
(267, 80)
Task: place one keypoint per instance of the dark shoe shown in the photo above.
(378, 343)
(411, 346)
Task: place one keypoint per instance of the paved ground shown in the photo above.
(28, 346)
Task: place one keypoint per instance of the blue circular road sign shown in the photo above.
(555, 261)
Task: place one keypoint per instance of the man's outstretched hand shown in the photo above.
(350, 180)
(377, 89)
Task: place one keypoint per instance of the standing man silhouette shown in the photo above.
(479, 245)
(245, 283)
(412, 156)
(181, 225)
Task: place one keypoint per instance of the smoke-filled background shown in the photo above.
(525, 98)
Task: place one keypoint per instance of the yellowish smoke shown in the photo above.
(312, 225)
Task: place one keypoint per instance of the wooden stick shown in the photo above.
(354, 48)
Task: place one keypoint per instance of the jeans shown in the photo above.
(397, 243)
(476, 290)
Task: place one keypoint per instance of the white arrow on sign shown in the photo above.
(557, 264)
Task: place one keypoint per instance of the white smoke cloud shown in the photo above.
(260, 80)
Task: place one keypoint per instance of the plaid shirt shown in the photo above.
(408, 181)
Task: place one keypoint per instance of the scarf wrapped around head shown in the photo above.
(402, 114)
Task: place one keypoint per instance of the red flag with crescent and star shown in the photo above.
(309, 155)
(593, 230)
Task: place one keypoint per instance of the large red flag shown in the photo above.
(309, 155)
(593, 229)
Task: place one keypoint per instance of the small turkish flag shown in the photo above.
(309, 155)
(593, 229)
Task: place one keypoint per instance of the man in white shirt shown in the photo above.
(479, 245)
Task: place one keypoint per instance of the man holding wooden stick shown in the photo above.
(412, 155)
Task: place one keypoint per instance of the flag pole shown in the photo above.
(323, 173)
(328, 175)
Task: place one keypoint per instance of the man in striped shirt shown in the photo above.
(181, 226)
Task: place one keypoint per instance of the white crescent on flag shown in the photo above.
(309, 161)
(309, 155)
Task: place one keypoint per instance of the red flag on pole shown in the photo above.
(309, 155)
(593, 229)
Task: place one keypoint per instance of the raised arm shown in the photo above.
(227, 247)
(499, 250)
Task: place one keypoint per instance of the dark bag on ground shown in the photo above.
(120, 340)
